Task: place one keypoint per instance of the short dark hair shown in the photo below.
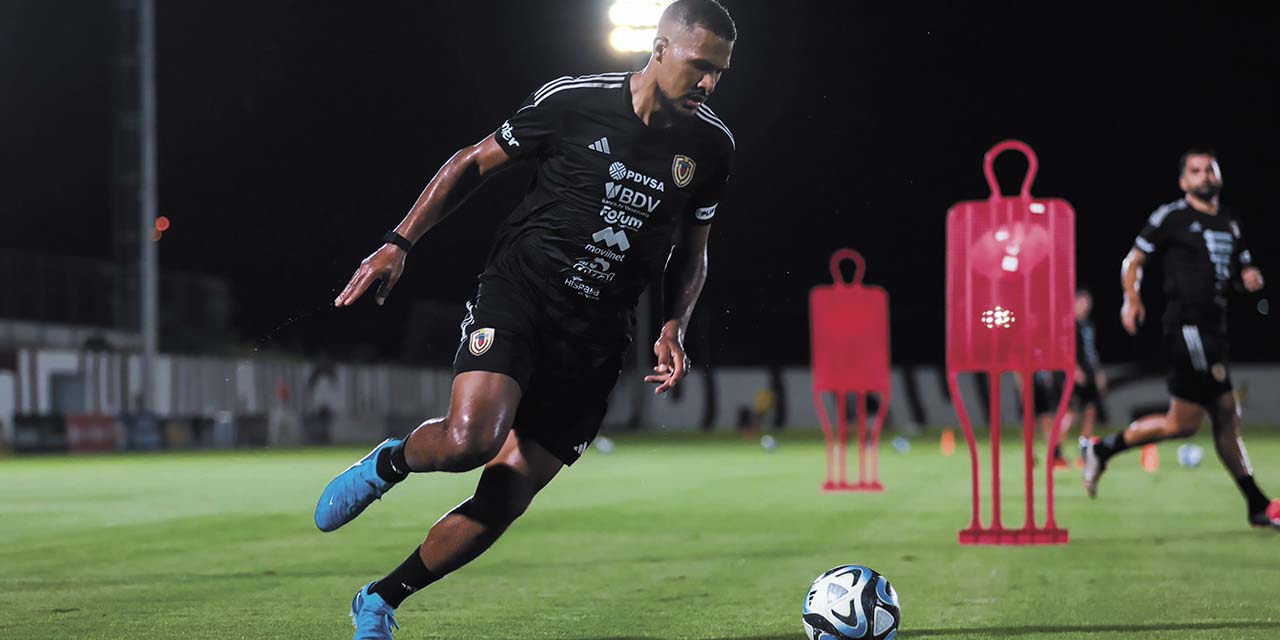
(1083, 291)
(1195, 151)
(710, 14)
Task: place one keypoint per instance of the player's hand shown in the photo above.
(386, 264)
(1100, 380)
(1080, 376)
(1252, 278)
(1132, 314)
(672, 361)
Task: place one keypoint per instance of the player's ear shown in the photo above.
(660, 45)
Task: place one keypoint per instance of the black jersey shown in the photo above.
(1202, 254)
(1087, 348)
(598, 220)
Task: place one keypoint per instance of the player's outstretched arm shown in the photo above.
(682, 282)
(449, 188)
(1132, 314)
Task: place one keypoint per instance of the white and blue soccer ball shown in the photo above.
(1190, 455)
(851, 602)
(604, 445)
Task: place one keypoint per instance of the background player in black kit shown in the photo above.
(1090, 380)
(1088, 383)
(1204, 252)
(630, 168)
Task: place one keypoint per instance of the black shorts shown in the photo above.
(1198, 370)
(1087, 393)
(565, 382)
(1046, 392)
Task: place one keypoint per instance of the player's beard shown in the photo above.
(1207, 191)
(677, 105)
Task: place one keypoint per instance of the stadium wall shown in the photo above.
(206, 401)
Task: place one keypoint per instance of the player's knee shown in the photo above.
(1181, 429)
(474, 442)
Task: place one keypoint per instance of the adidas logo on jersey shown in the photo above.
(601, 145)
(1195, 227)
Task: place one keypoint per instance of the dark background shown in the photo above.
(292, 134)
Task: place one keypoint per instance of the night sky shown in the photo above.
(292, 134)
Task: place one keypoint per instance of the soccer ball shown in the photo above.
(1190, 455)
(851, 602)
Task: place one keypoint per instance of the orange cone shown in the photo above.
(948, 442)
(1150, 458)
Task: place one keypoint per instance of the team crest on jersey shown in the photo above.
(481, 340)
(682, 170)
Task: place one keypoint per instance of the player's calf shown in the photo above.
(459, 537)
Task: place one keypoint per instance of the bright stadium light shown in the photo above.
(637, 13)
(632, 40)
(635, 23)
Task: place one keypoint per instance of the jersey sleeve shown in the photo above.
(1242, 257)
(707, 198)
(532, 129)
(1153, 236)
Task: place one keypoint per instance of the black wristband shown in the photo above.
(398, 240)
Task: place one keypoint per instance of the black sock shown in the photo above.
(391, 465)
(1057, 451)
(404, 580)
(1257, 501)
(1110, 445)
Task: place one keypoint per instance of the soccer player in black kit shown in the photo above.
(1204, 252)
(630, 169)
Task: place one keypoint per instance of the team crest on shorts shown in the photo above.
(682, 170)
(481, 340)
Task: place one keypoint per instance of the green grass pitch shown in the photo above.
(665, 538)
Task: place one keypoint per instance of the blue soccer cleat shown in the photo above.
(352, 490)
(372, 616)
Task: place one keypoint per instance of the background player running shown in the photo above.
(1203, 251)
(630, 168)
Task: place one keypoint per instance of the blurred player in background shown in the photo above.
(630, 169)
(1204, 253)
(1090, 381)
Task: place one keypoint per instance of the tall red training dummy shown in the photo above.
(1011, 274)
